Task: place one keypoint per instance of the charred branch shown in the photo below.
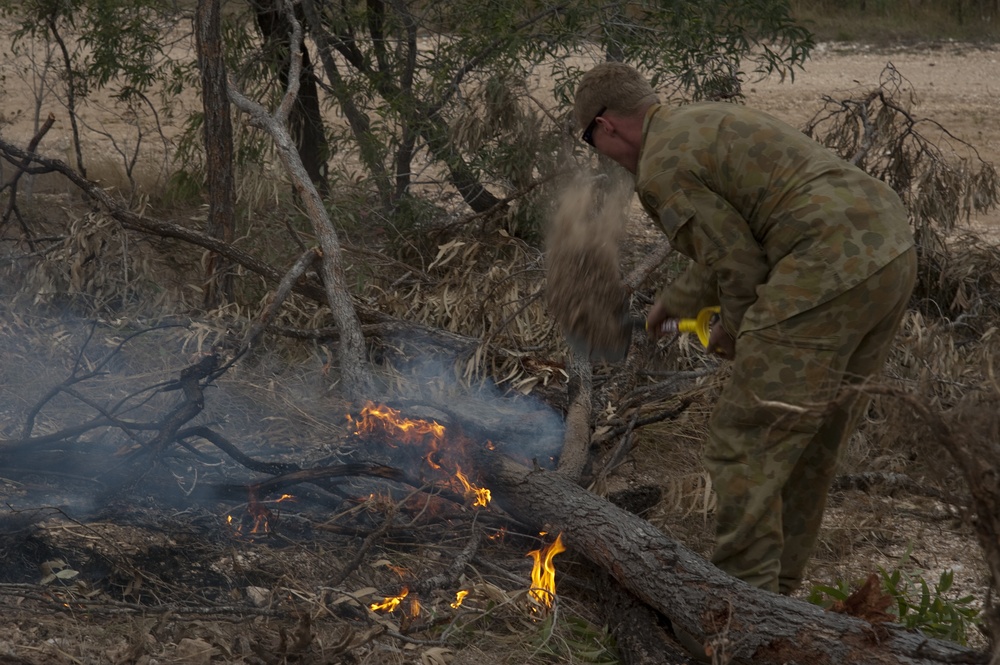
(451, 576)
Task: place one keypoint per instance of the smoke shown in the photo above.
(523, 427)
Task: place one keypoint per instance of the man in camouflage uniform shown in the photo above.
(812, 263)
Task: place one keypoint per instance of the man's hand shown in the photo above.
(654, 320)
(721, 343)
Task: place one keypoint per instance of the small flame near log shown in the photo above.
(427, 436)
(459, 597)
(543, 573)
(258, 519)
(480, 495)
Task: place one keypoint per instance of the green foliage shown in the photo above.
(574, 639)
(464, 93)
(927, 607)
(114, 41)
(432, 98)
(183, 188)
(825, 595)
(917, 604)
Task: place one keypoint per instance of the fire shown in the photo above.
(459, 597)
(390, 604)
(481, 494)
(543, 573)
(258, 519)
(426, 435)
(387, 420)
(260, 514)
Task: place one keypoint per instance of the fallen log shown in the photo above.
(737, 622)
(640, 635)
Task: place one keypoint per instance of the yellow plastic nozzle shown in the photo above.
(701, 325)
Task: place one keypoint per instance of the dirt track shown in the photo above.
(956, 85)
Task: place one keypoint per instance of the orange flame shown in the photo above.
(543, 573)
(428, 435)
(414, 608)
(481, 494)
(459, 597)
(390, 604)
(385, 419)
(261, 515)
(256, 520)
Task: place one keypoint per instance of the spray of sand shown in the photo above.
(584, 289)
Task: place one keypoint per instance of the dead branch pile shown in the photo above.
(135, 487)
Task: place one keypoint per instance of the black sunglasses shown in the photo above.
(588, 133)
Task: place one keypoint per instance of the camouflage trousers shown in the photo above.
(777, 432)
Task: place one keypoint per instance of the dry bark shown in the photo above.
(740, 622)
(218, 137)
(575, 453)
(639, 635)
(357, 377)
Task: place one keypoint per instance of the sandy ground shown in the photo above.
(954, 84)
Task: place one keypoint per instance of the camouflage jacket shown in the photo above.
(775, 223)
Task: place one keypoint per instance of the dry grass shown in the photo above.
(488, 288)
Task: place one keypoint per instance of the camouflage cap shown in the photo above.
(614, 86)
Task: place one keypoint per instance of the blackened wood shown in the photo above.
(640, 633)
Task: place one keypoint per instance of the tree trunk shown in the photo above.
(740, 623)
(372, 151)
(419, 117)
(218, 130)
(305, 123)
(357, 379)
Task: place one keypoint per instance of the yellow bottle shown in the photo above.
(700, 325)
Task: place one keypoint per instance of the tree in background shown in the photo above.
(218, 134)
(431, 92)
(103, 45)
(452, 83)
